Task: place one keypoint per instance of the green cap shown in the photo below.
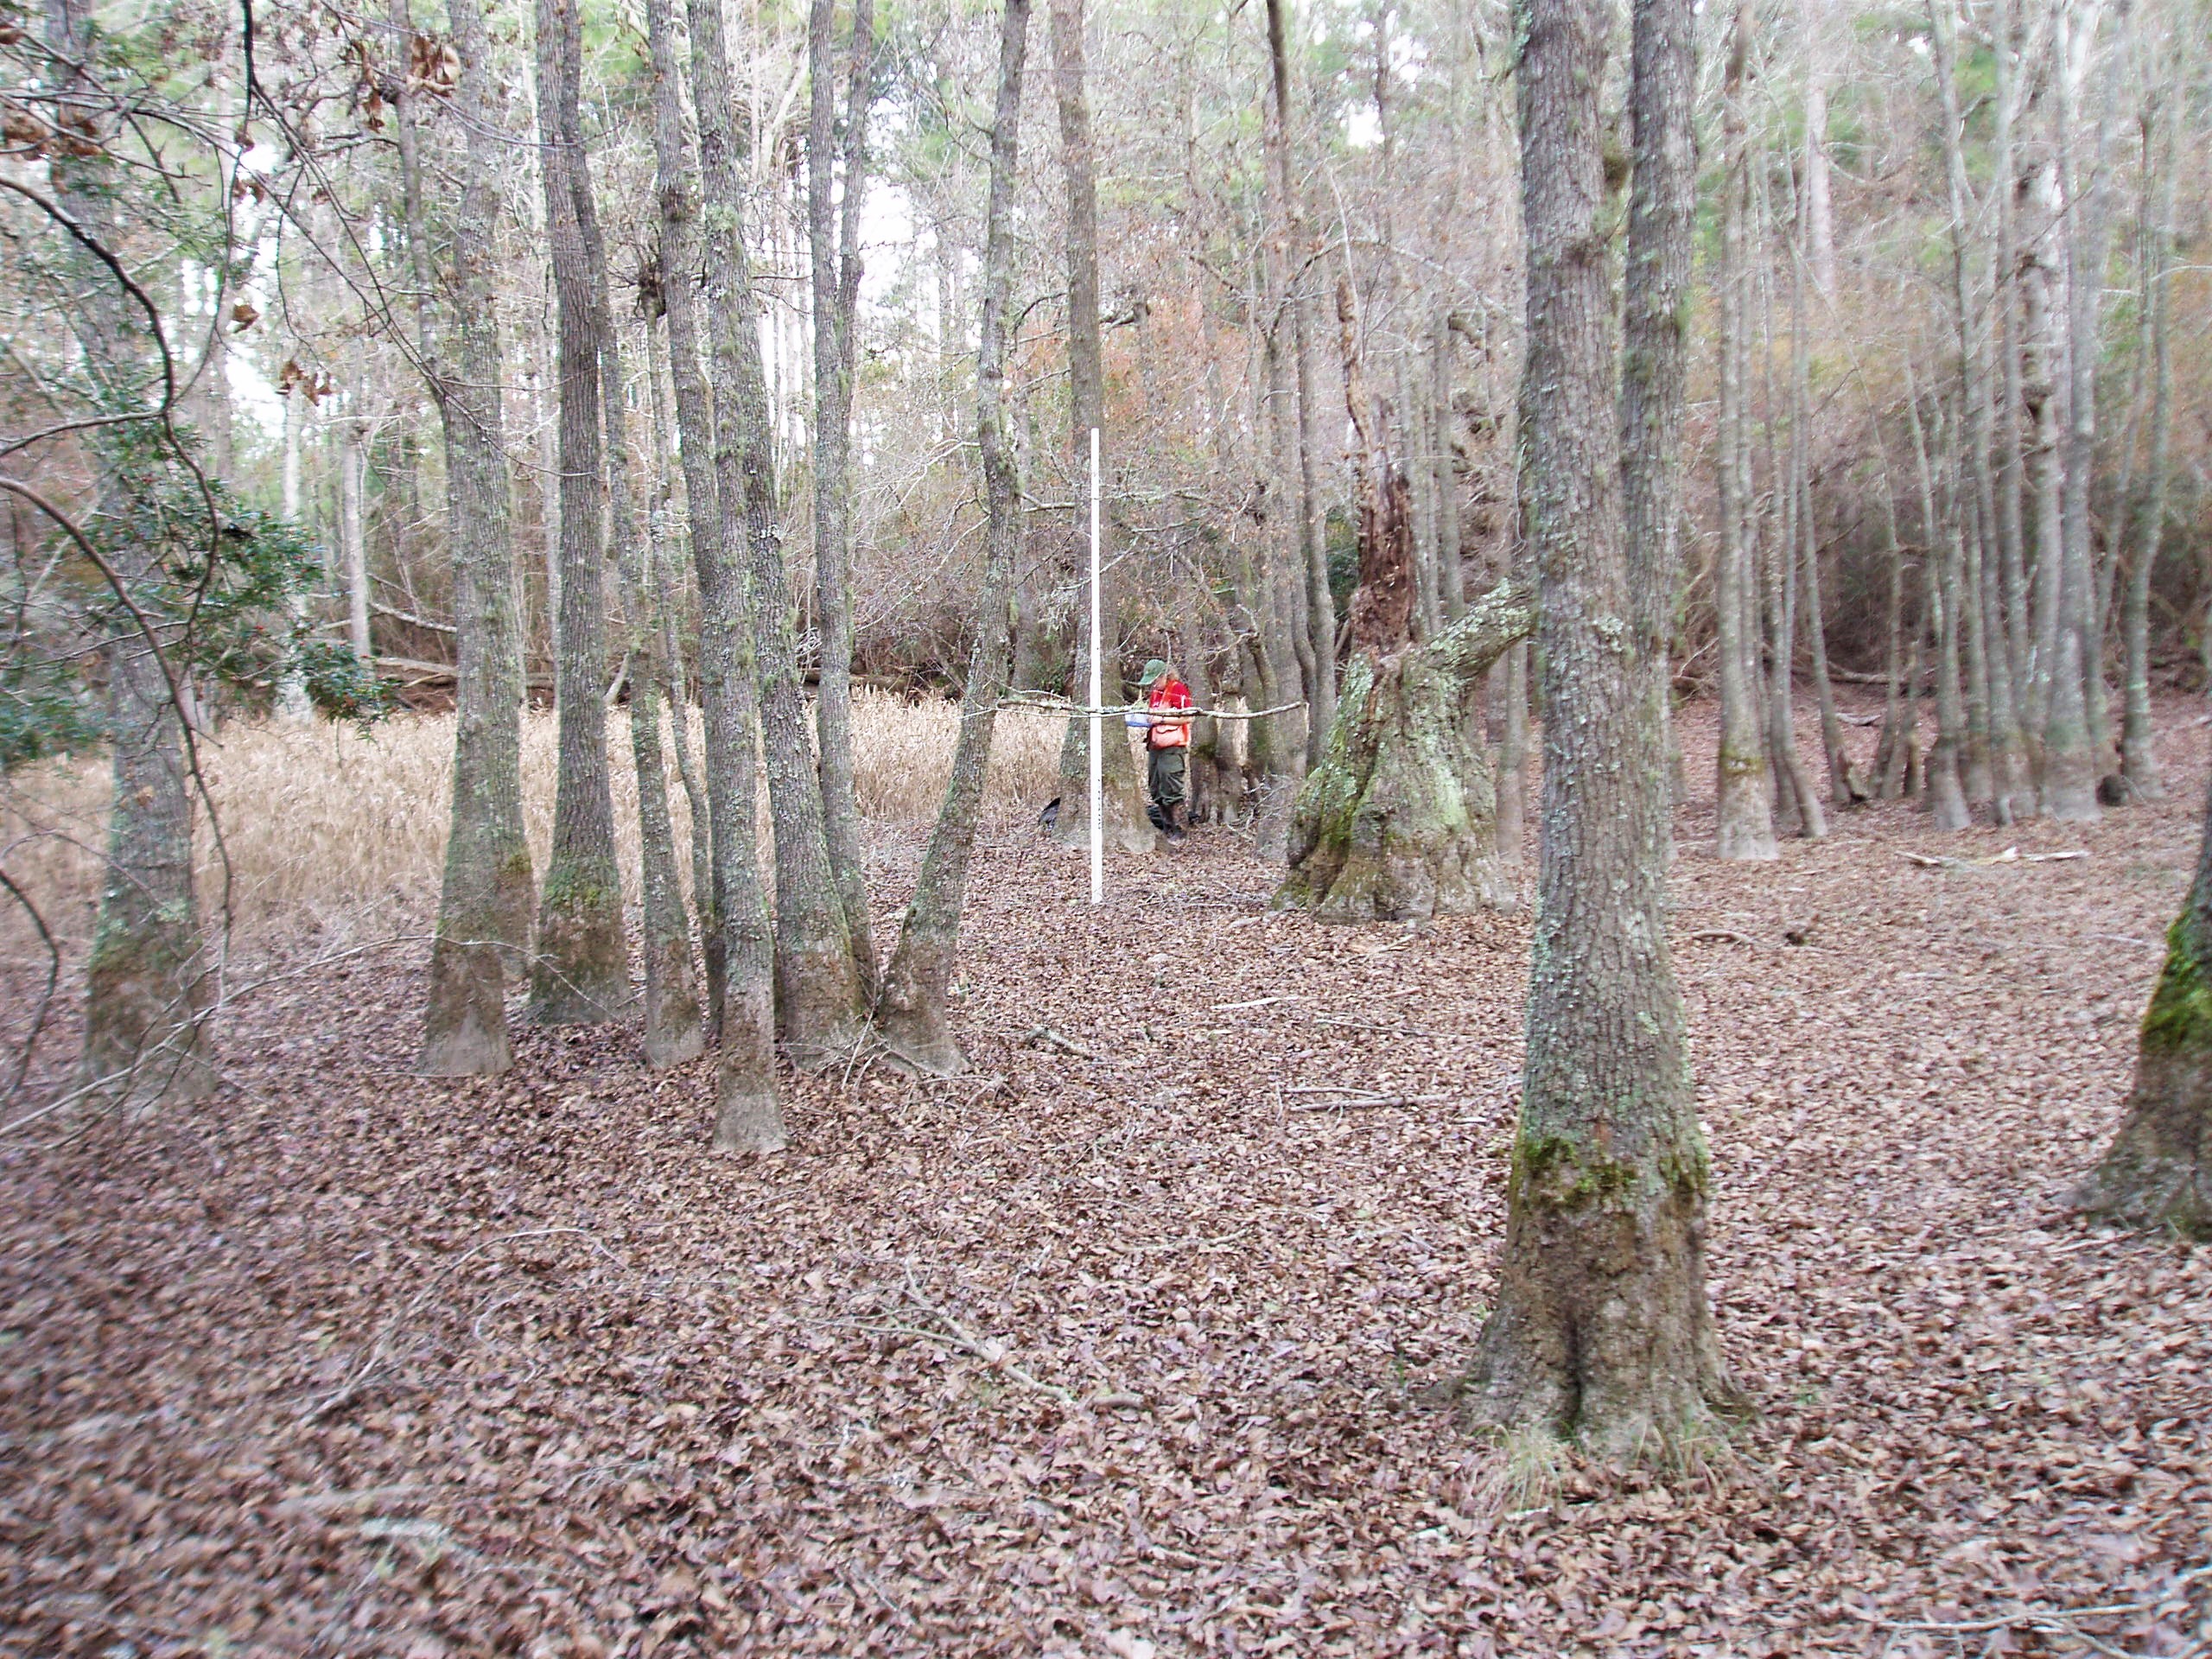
(1154, 669)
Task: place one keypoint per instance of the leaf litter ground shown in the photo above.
(1123, 1346)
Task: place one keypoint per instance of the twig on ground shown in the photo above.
(1046, 1037)
(1726, 936)
(1364, 1104)
(351, 1390)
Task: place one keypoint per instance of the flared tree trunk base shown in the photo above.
(1602, 1335)
(674, 1032)
(145, 1019)
(580, 972)
(2157, 1174)
(820, 1013)
(465, 1032)
(1398, 820)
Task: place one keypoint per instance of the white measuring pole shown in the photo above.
(1097, 718)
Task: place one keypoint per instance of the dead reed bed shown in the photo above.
(323, 826)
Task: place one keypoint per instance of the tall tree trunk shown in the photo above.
(1946, 801)
(1320, 605)
(911, 1013)
(2157, 1172)
(352, 539)
(485, 905)
(1662, 221)
(2138, 757)
(149, 981)
(1997, 762)
(1744, 818)
(834, 248)
(2010, 476)
(1127, 828)
(668, 596)
(734, 916)
(579, 974)
(2043, 396)
(819, 1005)
(1893, 752)
(2072, 759)
(1602, 1329)
(673, 1029)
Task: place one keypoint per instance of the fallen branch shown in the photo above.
(1725, 936)
(1364, 1105)
(1046, 1037)
(2009, 855)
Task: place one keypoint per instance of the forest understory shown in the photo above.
(1125, 1346)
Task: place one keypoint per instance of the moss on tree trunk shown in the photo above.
(2157, 1172)
(1398, 820)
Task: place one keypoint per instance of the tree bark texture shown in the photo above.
(911, 1013)
(486, 898)
(1744, 818)
(733, 912)
(1128, 829)
(1602, 1329)
(2157, 1172)
(2138, 755)
(579, 973)
(834, 248)
(820, 1008)
(1320, 605)
(1397, 821)
(674, 1030)
(148, 982)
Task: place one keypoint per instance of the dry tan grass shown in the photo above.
(322, 824)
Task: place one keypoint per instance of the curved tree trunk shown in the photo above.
(1602, 1329)
(580, 972)
(733, 914)
(911, 1012)
(2157, 1172)
(484, 907)
(1398, 819)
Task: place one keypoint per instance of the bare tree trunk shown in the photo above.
(734, 919)
(667, 596)
(1743, 821)
(150, 979)
(2157, 1174)
(2011, 481)
(673, 1030)
(579, 974)
(1811, 820)
(819, 1005)
(910, 1013)
(1602, 1329)
(1892, 754)
(1320, 605)
(1947, 802)
(484, 908)
(2139, 756)
(2072, 758)
(352, 540)
(2043, 398)
(1996, 768)
(835, 252)
(1450, 569)
(1128, 829)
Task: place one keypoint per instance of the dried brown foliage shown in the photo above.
(1124, 1355)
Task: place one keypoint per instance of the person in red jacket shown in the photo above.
(1167, 742)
